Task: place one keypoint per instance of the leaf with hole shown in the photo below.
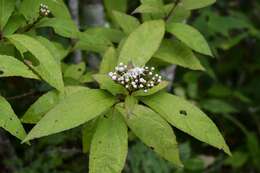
(187, 117)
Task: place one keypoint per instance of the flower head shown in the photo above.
(135, 78)
(44, 10)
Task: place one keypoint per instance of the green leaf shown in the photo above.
(175, 52)
(14, 23)
(190, 36)
(46, 102)
(6, 10)
(149, 8)
(118, 5)
(87, 77)
(109, 61)
(187, 117)
(126, 22)
(108, 84)
(180, 14)
(192, 4)
(153, 90)
(130, 103)
(154, 131)
(30, 9)
(237, 160)
(58, 8)
(142, 43)
(64, 27)
(108, 149)
(10, 66)
(92, 42)
(48, 68)
(75, 71)
(71, 112)
(88, 131)
(56, 49)
(113, 35)
(9, 121)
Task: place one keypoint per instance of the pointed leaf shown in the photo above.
(154, 131)
(109, 61)
(75, 71)
(126, 22)
(6, 10)
(64, 27)
(187, 117)
(108, 84)
(190, 36)
(175, 52)
(30, 9)
(48, 68)
(71, 112)
(142, 43)
(9, 121)
(109, 145)
(10, 66)
(46, 102)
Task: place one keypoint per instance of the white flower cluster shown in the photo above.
(44, 10)
(135, 78)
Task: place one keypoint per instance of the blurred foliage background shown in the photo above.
(229, 91)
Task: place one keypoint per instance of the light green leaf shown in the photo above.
(109, 61)
(154, 131)
(153, 90)
(180, 14)
(195, 4)
(58, 8)
(149, 8)
(190, 36)
(126, 22)
(6, 10)
(13, 24)
(48, 68)
(75, 71)
(110, 34)
(118, 5)
(108, 149)
(187, 117)
(9, 121)
(108, 84)
(71, 112)
(130, 103)
(87, 77)
(92, 42)
(64, 27)
(175, 52)
(88, 131)
(142, 43)
(30, 9)
(46, 102)
(55, 48)
(10, 66)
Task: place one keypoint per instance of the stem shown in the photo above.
(176, 2)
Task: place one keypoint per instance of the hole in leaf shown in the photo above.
(30, 59)
(11, 119)
(79, 69)
(1, 72)
(105, 116)
(152, 148)
(183, 112)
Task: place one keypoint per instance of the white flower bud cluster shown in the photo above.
(135, 78)
(44, 10)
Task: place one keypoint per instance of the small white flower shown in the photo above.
(156, 75)
(152, 68)
(159, 80)
(127, 86)
(121, 64)
(141, 86)
(114, 77)
(121, 69)
(110, 74)
(150, 73)
(145, 90)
